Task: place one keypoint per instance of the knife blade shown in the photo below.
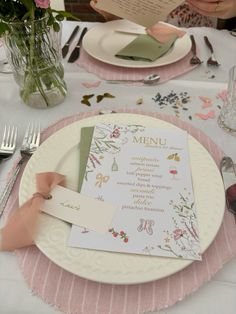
(76, 52)
(65, 48)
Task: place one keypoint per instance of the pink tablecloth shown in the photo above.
(72, 294)
(113, 72)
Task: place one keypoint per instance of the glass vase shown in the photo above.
(227, 116)
(34, 52)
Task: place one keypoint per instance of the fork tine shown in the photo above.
(4, 135)
(8, 132)
(26, 136)
(33, 134)
(14, 137)
(12, 132)
(9, 137)
(8, 144)
(38, 136)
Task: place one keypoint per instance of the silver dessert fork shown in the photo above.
(29, 145)
(212, 59)
(8, 144)
(194, 60)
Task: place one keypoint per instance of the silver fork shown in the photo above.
(29, 145)
(212, 59)
(8, 144)
(194, 60)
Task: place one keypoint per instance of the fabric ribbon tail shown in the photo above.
(21, 227)
(163, 32)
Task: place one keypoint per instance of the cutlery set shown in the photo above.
(29, 145)
(76, 51)
(65, 48)
(195, 60)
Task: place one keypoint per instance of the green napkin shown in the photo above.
(145, 48)
(86, 135)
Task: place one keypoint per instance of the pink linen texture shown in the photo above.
(112, 72)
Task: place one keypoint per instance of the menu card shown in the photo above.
(146, 172)
(143, 12)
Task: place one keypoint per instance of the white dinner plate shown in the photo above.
(60, 152)
(102, 42)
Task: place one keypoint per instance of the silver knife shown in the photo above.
(228, 172)
(65, 49)
(75, 53)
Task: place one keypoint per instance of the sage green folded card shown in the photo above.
(86, 135)
(145, 48)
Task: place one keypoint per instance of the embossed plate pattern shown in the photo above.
(115, 267)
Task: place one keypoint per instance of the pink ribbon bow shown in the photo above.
(21, 227)
(163, 32)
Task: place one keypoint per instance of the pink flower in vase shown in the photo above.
(43, 4)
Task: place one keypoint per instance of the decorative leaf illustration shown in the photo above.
(170, 156)
(174, 157)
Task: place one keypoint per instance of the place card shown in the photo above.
(145, 172)
(79, 209)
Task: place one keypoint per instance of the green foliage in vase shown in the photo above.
(30, 30)
(28, 10)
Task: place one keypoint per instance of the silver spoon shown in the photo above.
(150, 79)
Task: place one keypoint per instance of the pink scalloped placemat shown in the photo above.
(112, 72)
(72, 294)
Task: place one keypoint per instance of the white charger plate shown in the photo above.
(60, 152)
(102, 42)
